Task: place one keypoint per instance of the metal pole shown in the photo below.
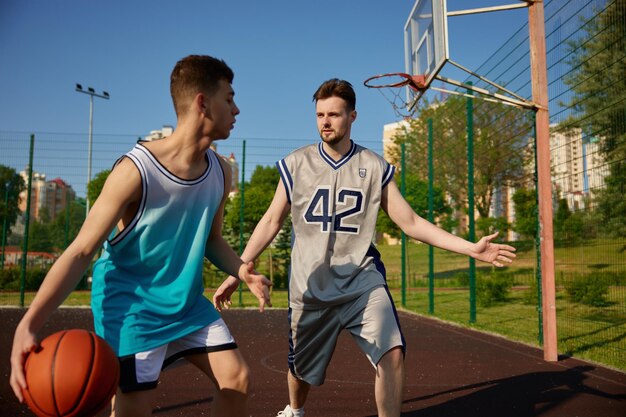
(27, 219)
(470, 202)
(431, 218)
(89, 155)
(105, 96)
(403, 256)
(539, 81)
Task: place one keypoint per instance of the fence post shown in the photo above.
(27, 219)
(241, 207)
(431, 218)
(403, 255)
(470, 201)
(7, 184)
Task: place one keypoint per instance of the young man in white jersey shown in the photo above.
(333, 191)
(164, 203)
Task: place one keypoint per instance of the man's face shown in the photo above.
(334, 119)
(223, 110)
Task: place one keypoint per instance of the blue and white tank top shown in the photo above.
(147, 286)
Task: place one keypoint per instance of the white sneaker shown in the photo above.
(285, 413)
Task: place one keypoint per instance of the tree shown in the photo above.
(500, 137)
(94, 188)
(67, 225)
(258, 194)
(598, 103)
(525, 202)
(417, 197)
(11, 185)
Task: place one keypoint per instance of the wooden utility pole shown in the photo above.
(539, 80)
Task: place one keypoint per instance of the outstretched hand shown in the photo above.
(257, 283)
(493, 253)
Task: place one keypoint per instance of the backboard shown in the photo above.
(426, 39)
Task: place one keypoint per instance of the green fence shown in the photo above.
(483, 152)
(587, 91)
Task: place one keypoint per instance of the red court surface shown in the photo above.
(451, 371)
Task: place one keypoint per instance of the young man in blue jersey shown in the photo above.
(333, 191)
(159, 214)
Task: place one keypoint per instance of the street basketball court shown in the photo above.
(450, 371)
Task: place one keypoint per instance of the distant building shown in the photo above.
(578, 167)
(389, 131)
(160, 134)
(52, 196)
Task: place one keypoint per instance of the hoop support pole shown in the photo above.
(497, 97)
(488, 9)
(539, 81)
(480, 77)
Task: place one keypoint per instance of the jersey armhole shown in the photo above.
(117, 235)
(286, 178)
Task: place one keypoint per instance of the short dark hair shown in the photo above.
(196, 74)
(336, 88)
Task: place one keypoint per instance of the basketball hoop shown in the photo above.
(396, 79)
(389, 85)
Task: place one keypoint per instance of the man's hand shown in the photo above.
(24, 342)
(221, 298)
(258, 284)
(493, 253)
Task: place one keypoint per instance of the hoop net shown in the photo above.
(389, 85)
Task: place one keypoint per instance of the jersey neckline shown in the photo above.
(330, 161)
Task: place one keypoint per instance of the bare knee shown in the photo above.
(239, 380)
(393, 360)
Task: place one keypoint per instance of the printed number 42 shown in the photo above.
(320, 210)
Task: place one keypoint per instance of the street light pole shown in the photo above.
(92, 93)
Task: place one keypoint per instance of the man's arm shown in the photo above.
(420, 229)
(264, 232)
(222, 255)
(121, 190)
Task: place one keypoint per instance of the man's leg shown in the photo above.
(389, 383)
(298, 391)
(132, 404)
(231, 376)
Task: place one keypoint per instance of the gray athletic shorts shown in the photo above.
(371, 319)
(141, 371)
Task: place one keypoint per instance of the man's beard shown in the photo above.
(332, 140)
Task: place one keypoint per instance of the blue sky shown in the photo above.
(280, 51)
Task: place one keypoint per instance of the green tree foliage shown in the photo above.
(258, 194)
(11, 184)
(525, 201)
(40, 234)
(67, 224)
(597, 80)
(417, 197)
(500, 139)
(94, 188)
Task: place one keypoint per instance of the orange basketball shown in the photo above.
(75, 373)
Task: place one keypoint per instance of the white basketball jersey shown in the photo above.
(334, 206)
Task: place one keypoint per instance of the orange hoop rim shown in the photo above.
(416, 82)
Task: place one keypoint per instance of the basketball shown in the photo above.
(74, 373)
